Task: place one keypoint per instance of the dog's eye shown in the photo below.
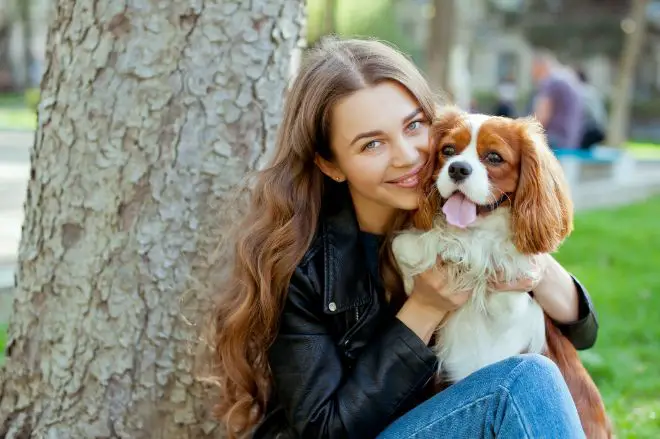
(494, 158)
(448, 150)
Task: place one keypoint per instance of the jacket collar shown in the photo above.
(347, 282)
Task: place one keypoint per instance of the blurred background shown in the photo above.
(479, 51)
(483, 54)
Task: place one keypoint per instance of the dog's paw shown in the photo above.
(407, 251)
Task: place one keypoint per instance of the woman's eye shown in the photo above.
(415, 124)
(448, 150)
(371, 145)
(494, 158)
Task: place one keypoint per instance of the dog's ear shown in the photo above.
(542, 211)
(446, 119)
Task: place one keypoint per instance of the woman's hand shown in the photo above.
(430, 301)
(433, 290)
(528, 283)
(553, 288)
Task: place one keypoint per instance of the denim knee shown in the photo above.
(533, 371)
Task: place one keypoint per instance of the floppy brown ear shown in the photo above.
(447, 118)
(542, 212)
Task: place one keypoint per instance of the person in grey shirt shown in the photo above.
(558, 101)
(595, 115)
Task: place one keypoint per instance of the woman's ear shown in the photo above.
(329, 168)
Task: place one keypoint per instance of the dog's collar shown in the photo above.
(486, 208)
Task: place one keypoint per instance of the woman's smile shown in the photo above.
(409, 180)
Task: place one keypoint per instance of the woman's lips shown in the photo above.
(408, 180)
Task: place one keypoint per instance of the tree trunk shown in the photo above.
(6, 77)
(151, 113)
(440, 43)
(28, 58)
(617, 130)
(329, 14)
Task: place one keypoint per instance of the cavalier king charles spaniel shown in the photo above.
(493, 196)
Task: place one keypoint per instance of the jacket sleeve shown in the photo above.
(584, 331)
(321, 397)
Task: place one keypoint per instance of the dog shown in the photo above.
(493, 195)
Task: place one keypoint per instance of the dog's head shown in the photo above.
(481, 163)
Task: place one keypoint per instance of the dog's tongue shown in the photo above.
(460, 211)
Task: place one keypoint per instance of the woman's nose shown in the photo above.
(406, 154)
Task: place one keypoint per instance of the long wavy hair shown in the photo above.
(282, 217)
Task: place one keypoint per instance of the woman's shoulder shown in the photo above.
(314, 251)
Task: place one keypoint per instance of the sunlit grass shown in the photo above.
(19, 118)
(616, 254)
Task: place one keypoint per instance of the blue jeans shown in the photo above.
(521, 397)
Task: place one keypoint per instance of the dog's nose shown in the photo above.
(459, 171)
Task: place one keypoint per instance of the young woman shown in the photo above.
(314, 337)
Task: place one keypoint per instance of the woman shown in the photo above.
(315, 338)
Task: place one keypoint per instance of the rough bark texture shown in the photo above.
(151, 112)
(617, 129)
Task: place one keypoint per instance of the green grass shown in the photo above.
(644, 150)
(19, 118)
(616, 253)
(14, 114)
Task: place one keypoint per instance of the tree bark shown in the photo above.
(617, 130)
(151, 113)
(440, 43)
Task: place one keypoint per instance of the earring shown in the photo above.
(338, 179)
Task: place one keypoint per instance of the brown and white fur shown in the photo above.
(523, 208)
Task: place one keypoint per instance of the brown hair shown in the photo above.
(283, 214)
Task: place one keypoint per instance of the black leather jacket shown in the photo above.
(343, 365)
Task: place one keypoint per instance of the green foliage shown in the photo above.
(32, 96)
(615, 253)
(368, 18)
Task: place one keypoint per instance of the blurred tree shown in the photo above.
(7, 17)
(150, 116)
(368, 18)
(25, 11)
(635, 28)
(575, 29)
(329, 17)
(440, 43)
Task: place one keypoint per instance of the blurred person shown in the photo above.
(507, 95)
(314, 335)
(595, 114)
(558, 101)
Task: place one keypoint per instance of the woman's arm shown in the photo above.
(567, 303)
(324, 399)
(557, 293)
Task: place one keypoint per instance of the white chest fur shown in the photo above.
(490, 326)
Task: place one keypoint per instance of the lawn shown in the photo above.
(615, 253)
(14, 114)
(644, 150)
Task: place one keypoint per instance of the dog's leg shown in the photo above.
(413, 255)
(591, 408)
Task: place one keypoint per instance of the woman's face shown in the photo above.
(379, 141)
